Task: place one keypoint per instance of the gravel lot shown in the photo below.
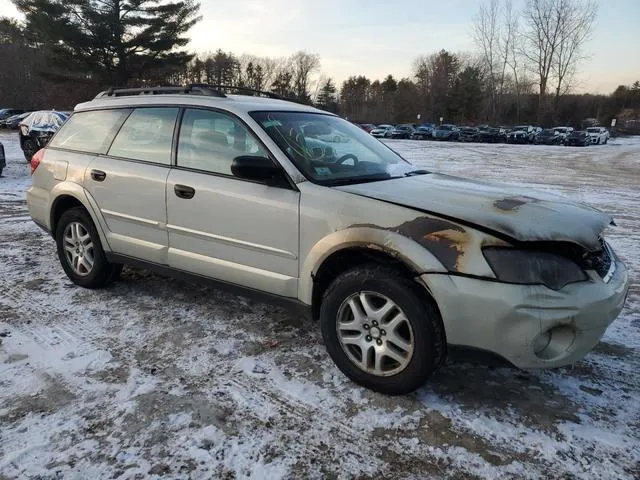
(154, 377)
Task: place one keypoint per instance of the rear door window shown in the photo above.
(147, 135)
(90, 131)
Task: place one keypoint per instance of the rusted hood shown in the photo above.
(521, 213)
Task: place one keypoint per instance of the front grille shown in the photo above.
(599, 261)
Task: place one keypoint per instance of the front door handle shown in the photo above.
(184, 191)
(98, 175)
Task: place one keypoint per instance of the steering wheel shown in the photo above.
(348, 156)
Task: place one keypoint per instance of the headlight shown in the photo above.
(533, 267)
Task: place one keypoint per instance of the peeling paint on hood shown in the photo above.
(520, 213)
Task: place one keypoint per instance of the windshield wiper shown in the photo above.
(417, 172)
(362, 179)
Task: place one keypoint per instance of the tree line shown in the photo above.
(523, 69)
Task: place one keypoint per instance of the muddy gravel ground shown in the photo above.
(154, 377)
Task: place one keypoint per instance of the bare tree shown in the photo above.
(555, 31)
(541, 38)
(487, 36)
(304, 65)
(576, 25)
(510, 51)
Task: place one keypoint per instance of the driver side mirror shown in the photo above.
(258, 169)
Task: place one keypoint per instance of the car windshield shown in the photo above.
(593, 130)
(358, 158)
(445, 127)
(548, 133)
(521, 127)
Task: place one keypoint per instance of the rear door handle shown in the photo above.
(184, 191)
(98, 175)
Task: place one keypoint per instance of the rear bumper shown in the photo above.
(531, 326)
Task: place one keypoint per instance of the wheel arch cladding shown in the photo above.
(345, 259)
(60, 205)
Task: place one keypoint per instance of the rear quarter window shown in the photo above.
(91, 131)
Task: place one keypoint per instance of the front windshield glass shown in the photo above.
(329, 150)
(593, 130)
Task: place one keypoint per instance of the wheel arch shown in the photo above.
(345, 249)
(68, 195)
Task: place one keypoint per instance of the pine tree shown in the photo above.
(327, 97)
(114, 42)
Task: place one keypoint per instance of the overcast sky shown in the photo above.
(378, 37)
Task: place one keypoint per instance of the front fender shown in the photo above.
(409, 252)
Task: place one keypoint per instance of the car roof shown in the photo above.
(238, 104)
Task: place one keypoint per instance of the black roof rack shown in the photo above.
(192, 89)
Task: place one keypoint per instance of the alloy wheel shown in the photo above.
(78, 248)
(375, 333)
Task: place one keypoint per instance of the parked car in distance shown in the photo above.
(324, 134)
(564, 132)
(422, 133)
(394, 261)
(367, 127)
(12, 122)
(382, 131)
(446, 132)
(598, 135)
(469, 134)
(578, 138)
(3, 160)
(492, 135)
(9, 112)
(521, 134)
(37, 128)
(402, 131)
(549, 137)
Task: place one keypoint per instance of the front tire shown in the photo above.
(381, 329)
(80, 251)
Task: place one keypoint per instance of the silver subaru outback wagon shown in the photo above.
(396, 262)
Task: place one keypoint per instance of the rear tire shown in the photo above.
(393, 352)
(80, 251)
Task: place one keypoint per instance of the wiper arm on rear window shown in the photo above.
(416, 172)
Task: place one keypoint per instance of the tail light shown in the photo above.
(36, 159)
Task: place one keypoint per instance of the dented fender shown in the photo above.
(392, 243)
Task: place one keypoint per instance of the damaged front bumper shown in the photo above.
(531, 326)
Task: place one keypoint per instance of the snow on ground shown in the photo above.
(155, 377)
